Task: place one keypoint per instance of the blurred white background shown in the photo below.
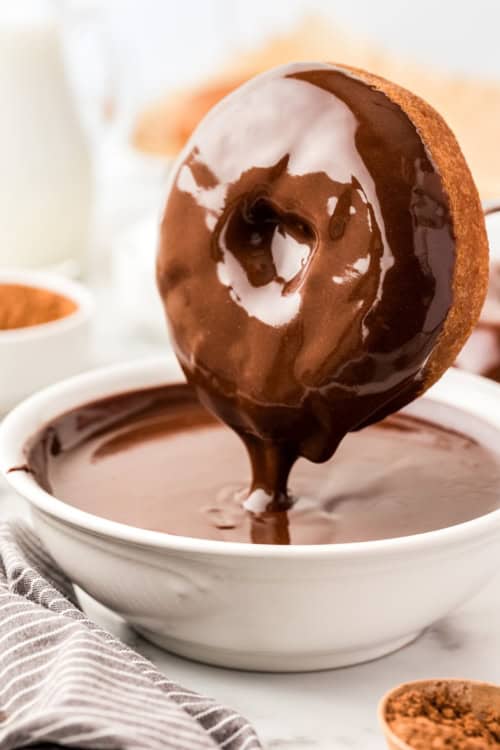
(120, 56)
(156, 44)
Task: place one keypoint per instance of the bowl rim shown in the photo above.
(52, 281)
(25, 420)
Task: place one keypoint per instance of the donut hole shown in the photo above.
(271, 245)
(262, 212)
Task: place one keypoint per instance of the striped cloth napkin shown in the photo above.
(66, 682)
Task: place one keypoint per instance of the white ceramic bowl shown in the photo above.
(256, 606)
(36, 356)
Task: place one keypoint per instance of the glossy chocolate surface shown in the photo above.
(305, 264)
(156, 459)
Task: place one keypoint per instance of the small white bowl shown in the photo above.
(36, 356)
(273, 608)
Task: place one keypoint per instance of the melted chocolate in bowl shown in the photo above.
(305, 264)
(156, 459)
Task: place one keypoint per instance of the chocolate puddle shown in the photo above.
(305, 265)
(156, 459)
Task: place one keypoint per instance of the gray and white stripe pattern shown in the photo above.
(64, 681)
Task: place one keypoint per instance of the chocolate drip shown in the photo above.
(305, 264)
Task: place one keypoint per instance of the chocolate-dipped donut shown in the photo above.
(323, 257)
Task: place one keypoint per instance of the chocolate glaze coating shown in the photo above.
(306, 262)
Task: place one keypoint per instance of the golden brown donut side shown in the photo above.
(470, 277)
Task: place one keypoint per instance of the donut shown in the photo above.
(322, 257)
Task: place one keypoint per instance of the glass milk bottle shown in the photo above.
(45, 172)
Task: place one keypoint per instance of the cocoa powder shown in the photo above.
(441, 717)
(22, 306)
